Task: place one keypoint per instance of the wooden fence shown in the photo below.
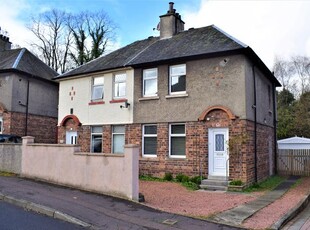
(294, 162)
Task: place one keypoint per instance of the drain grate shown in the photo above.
(170, 222)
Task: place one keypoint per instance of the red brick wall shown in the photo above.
(44, 129)
(241, 161)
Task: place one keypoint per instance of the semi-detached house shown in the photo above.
(196, 101)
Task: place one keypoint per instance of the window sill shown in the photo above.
(96, 103)
(118, 100)
(149, 158)
(172, 158)
(148, 98)
(177, 95)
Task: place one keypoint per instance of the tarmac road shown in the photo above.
(15, 218)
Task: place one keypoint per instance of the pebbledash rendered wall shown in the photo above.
(115, 175)
(10, 157)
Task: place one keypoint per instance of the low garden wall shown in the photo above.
(111, 174)
(10, 157)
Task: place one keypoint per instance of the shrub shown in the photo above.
(179, 177)
(168, 176)
(185, 179)
(196, 179)
(190, 185)
(236, 182)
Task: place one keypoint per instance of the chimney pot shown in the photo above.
(171, 7)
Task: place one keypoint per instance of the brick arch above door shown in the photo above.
(69, 117)
(229, 113)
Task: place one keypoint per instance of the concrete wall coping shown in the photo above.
(99, 154)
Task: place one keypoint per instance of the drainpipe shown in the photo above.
(27, 108)
(275, 127)
(255, 124)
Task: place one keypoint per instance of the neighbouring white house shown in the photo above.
(294, 143)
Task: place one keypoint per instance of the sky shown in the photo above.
(271, 28)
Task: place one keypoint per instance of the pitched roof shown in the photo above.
(192, 43)
(295, 140)
(24, 61)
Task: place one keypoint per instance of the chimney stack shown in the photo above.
(170, 23)
(5, 43)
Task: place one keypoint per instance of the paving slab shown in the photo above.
(237, 215)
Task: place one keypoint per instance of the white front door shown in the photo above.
(71, 137)
(218, 152)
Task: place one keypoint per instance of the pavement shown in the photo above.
(94, 211)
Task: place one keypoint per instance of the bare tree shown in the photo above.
(284, 72)
(301, 66)
(65, 41)
(53, 39)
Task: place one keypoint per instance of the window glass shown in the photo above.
(118, 138)
(97, 89)
(149, 140)
(96, 139)
(150, 82)
(120, 85)
(219, 142)
(177, 79)
(177, 140)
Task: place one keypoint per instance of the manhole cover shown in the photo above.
(170, 222)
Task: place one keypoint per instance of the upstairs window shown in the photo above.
(177, 81)
(96, 139)
(150, 82)
(120, 85)
(97, 88)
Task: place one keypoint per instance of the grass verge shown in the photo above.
(7, 174)
(266, 185)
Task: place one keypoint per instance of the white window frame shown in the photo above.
(92, 134)
(1, 125)
(148, 135)
(95, 86)
(176, 135)
(116, 84)
(148, 79)
(176, 75)
(113, 134)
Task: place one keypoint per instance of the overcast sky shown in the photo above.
(269, 27)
